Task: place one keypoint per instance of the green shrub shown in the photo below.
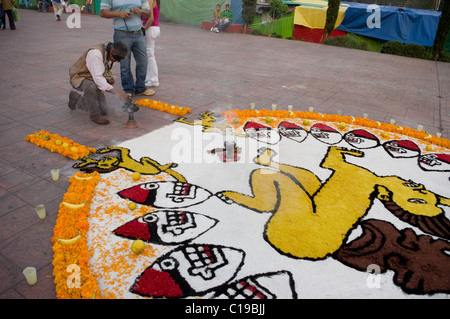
(256, 32)
(444, 56)
(411, 50)
(347, 42)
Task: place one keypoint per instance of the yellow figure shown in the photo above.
(208, 121)
(311, 219)
(145, 166)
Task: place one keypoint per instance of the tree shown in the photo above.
(276, 11)
(248, 12)
(442, 31)
(332, 15)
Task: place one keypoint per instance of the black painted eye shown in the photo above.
(169, 264)
(149, 186)
(150, 218)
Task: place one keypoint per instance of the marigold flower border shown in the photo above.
(238, 118)
(69, 224)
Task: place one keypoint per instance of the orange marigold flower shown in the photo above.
(67, 226)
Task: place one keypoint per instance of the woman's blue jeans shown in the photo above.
(135, 41)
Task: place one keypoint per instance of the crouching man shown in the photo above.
(92, 75)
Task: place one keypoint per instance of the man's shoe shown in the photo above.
(73, 99)
(147, 92)
(99, 119)
(58, 18)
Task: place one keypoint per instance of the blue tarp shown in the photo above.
(236, 7)
(401, 24)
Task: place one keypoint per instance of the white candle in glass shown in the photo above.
(55, 174)
(40, 210)
(30, 275)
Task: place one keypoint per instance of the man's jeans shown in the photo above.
(223, 26)
(135, 41)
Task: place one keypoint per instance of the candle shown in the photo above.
(40, 210)
(392, 121)
(290, 108)
(365, 115)
(339, 112)
(55, 174)
(30, 275)
(438, 134)
(311, 109)
(274, 107)
(419, 127)
(252, 106)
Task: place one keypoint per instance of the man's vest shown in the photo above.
(79, 71)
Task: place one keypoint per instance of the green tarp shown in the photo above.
(191, 12)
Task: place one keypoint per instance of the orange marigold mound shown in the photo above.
(61, 145)
(160, 106)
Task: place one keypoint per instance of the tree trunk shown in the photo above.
(442, 31)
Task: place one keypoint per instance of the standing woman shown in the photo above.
(152, 32)
(7, 8)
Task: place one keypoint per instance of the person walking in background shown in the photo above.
(43, 5)
(7, 6)
(127, 23)
(227, 18)
(217, 16)
(58, 9)
(88, 6)
(152, 32)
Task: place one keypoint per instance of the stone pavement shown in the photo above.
(198, 69)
